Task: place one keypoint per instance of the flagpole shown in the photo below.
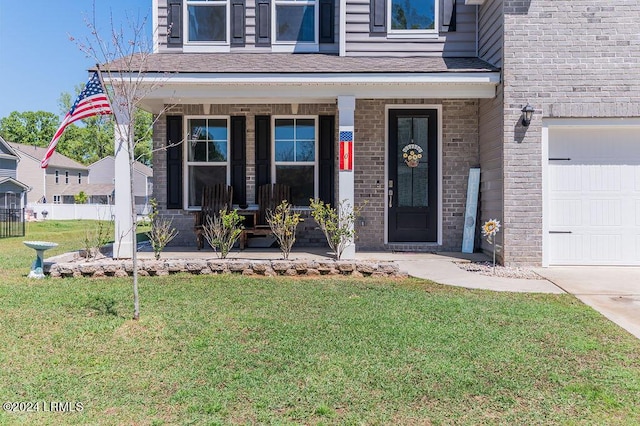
(104, 87)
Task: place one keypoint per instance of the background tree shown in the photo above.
(29, 127)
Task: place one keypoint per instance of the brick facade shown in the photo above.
(568, 59)
(460, 152)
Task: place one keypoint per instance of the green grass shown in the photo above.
(239, 350)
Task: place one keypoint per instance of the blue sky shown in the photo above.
(38, 61)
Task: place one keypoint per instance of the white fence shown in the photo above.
(78, 211)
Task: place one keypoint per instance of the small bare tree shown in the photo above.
(122, 60)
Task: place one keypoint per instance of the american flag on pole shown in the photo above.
(91, 101)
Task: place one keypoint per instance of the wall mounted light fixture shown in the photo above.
(527, 115)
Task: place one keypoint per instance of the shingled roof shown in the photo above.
(283, 63)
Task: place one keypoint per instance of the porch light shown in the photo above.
(527, 115)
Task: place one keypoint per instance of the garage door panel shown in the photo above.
(604, 213)
(594, 196)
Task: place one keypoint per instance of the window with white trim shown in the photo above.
(207, 159)
(66, 176)
(295, 157)
(79, 177)
(413, 16)
(56, 199)
(296, 21)
(207, 21)
(57, 176)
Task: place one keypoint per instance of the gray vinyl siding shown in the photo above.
(7, 168)
(490, 27)
(250, 30)
(360, 42)
(10, 187)
(490, 136)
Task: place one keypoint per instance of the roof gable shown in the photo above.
(37, 153)
(6, 150)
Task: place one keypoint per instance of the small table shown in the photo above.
(251, 214)
(38, 265)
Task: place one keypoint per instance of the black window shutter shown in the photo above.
(174, 23)
(238, 159)
(327, 17)
(263, 151)
(174, 162)
(237, 23)
(326, 160)
(378, 16)
(263, 22)
(453, 22)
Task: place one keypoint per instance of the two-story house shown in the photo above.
(58, 183)
(12, 193)
(393, 101)
(103, 172)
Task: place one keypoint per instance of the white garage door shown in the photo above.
(594, 196)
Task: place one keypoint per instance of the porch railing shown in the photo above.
(11, 223)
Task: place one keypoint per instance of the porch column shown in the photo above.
(346, 110)
(122, 246)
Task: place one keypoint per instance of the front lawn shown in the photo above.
(238, 350)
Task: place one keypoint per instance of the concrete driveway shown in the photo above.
(612, 291)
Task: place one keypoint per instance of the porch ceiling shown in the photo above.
(211, 78)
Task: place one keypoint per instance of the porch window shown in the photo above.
(296, 21)
(207, 21)
(295, 157)
(207, 147)
(413, 16)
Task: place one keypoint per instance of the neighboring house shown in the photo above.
(419, 91)
(58, 183)
(102, 172)
(13, 192)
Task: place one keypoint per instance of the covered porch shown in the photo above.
(330, 127)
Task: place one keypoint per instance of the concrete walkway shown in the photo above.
(612, 291)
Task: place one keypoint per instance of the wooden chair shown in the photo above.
(269, 197)
(214, 198)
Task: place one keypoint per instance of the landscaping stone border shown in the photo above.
(270, 268)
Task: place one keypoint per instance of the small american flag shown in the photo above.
(346, 151)
(91, 101)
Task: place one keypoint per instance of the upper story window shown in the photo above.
(296, 21)
(57, 176)
(79, 177)
(207, 21)
(66, 177)
(295, 157)
(206, 156)
(413, 16)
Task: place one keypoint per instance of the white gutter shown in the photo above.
(310, 78)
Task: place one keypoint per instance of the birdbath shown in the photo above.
(38, 264)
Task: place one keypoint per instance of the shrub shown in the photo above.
(162, 231)
(336, 224)
(222, 231)
(283, 223)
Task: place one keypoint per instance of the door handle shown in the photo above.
(390, 198)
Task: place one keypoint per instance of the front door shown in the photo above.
(413, 175)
